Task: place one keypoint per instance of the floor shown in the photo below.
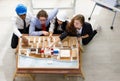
(100, 57)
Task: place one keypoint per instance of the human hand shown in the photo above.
(25, 40)
(50, 36)
(45, 33)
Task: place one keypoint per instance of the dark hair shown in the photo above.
(42, 13)
(70, 28)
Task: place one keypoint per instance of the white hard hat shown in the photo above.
(62, 16)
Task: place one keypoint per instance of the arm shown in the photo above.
(53, 13)
(88, 31)
(32, 29)
(85, 36)
(51, 28)
(62, 36)
(18, 34)
(15, 27)
(16, 31)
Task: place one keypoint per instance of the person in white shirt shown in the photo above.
(21, 24)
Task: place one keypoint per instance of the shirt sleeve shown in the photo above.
(32, 31)
(15, 28)
(53, 13)
(63, 35)
(16, 32)
(52, 25)
(89, 29)
(30, 15)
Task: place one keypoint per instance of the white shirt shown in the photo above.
(52, 25)
(19, 24)
(79, 31)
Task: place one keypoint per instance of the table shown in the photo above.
(113, 5)
(64, 58)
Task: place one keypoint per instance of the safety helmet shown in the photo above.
(21, 9)
(62, 16)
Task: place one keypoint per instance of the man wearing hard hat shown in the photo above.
(58, 24)
(21, 24)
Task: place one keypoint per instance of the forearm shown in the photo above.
(52, 25)
(32, 31)
(36, 33)
(17, 32)
(60, 38)
(53, 13)
(85, 36)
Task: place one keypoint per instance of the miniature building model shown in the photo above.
(64, 50)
